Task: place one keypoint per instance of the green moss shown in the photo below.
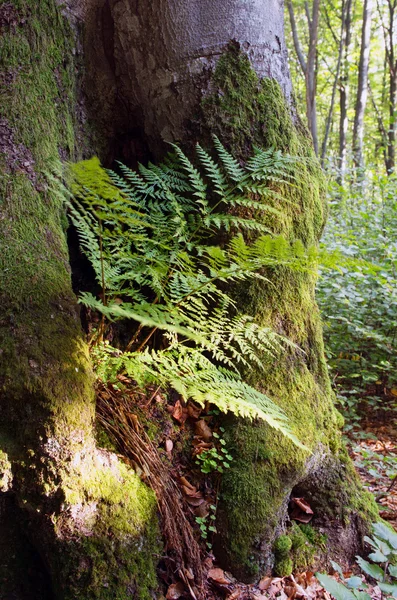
(244, 111)
(124, 542)
(283, 567)
(282, 545)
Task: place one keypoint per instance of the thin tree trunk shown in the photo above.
(334, 87)
(311, 72)
(362, 88)
(344, 94)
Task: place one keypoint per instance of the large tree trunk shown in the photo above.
(89, 518)
(157, 71)
(181, 75)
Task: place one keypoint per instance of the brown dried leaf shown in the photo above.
(202, 510)
(175, 591)
(265, 583)
(193, 411)
(192, 493)
(301, 511)
(218, 576)
(186, 483)
(195, 501)
(303, 505)
(177, 412)
(235, 595)
(202, 430)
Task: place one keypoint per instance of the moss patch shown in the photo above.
(118, 556)
(105, 541)
(245, 111)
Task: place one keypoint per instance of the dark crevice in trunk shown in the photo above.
(23, 575)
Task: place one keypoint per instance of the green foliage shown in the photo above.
(207, 525)
(382, 569)
(151, 237)
(359, 302)
(215, 459)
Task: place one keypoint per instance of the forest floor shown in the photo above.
(372, 443)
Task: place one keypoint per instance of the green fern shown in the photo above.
(151, 237)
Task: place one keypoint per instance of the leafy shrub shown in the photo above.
(152, 238)
(382, 568)
(359, 301)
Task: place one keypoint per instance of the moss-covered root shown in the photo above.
(245, 111)
(92, 520)
(107, 536)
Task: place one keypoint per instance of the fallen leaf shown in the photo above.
(235, 595)
(186, 483)
(195, 501)
(175, 591)
(193, 411)
(168, 448)
(201, 429)
(192, 493)
(265, 583)
(177, 412)
(301, 510)
(218, 575)
(202, 510)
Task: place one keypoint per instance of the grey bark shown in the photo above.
(344, 93)
(334, 87)
(362, 88)
(391, 68)
(162, 48)
(308, 65)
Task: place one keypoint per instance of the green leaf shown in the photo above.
(393, 570)
(377, 557)
(337, 568)
(382, 531)
(389, 588)
(369, 569)
(354, 582)
(336, 589)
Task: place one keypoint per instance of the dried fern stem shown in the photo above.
(115, 416)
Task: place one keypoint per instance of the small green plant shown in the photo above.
(214, 459)
(207, 525)
(382, 568)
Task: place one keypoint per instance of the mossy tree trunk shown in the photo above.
(157, 71)
(89, 519)
(187, 70)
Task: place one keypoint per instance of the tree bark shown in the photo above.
(308, 66)
(344, 93)
(84, 512)
(362, 88)
(160, 71)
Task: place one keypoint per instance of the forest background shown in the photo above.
(344, 68)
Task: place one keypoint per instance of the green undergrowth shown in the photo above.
(244, 111)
